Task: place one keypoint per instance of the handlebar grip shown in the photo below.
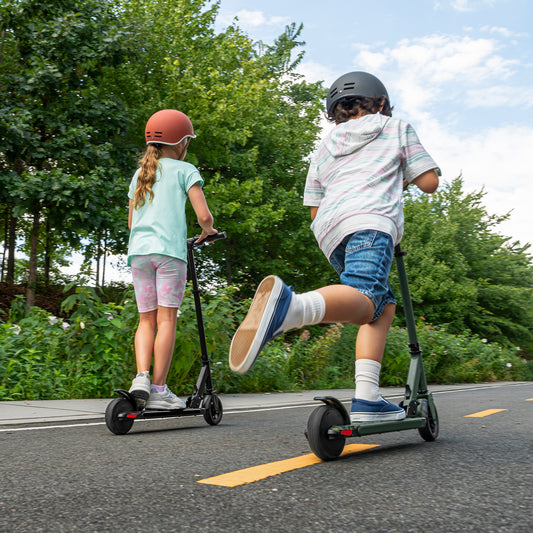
(210, 238)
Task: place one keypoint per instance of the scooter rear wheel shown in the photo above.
(430, 431)
(213, 409)
(321, 419)
(114, 424)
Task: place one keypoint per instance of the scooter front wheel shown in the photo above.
(213, 409)
(118, 426)
(321, 419)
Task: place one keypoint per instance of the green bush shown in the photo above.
(91, 353)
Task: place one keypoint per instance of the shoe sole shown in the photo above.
(140, 397)
(376, 417)
(249, 337)
(164, 407)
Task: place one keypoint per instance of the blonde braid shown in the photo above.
(146, 178)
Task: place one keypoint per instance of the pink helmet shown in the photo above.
(168, 126)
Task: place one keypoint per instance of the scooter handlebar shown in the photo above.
(210, 238)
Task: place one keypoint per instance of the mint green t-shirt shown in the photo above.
(159, 226)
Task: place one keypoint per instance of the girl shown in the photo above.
(157, 251)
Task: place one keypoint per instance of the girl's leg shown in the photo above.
(144, 340)
(164, 343)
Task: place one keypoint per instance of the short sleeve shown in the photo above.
(313, 191)
(191, 177)
(416, 160)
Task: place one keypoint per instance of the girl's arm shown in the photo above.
(130, 214)
(199, 204)
(314, 210)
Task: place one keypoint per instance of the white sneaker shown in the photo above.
(164, 400)
(140, 389)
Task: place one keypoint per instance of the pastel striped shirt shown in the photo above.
(356, 178)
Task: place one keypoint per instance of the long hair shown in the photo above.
(146, 178)
(358, 106)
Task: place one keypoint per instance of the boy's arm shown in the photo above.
(427, 182)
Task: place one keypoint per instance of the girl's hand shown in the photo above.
(205, 234)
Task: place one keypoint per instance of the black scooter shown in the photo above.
(122, 412)
(329, 425)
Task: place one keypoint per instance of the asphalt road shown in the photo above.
(477, 476)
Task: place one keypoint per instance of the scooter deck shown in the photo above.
(154, 413)
(360, 429)
(160, 413)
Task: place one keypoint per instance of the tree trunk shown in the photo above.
(104, 259)
(47, 254)
(34, 244)
(10, 276)
(4, 252)
(98, 255)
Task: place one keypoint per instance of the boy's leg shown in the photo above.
(368, 404)
(276, 309)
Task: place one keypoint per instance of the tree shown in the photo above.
(462, 272)
(256, 122)
(59, 130)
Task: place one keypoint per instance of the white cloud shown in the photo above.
(253, 19)
(470, 5)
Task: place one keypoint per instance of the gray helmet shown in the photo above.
(355, 84)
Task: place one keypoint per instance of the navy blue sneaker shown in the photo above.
(367, 411)
(263, 322)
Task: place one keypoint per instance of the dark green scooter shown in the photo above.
(329, 424)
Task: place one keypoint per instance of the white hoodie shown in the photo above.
(356, 178)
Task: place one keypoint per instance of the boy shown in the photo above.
(354, 191)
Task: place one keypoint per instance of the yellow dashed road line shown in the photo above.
(256, 473)
(485, 413)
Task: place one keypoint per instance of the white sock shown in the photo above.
(305, 309)
(367, 379)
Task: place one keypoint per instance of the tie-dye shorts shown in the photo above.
(158, 280)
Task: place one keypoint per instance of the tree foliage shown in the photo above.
(60, 125)
(462, 272)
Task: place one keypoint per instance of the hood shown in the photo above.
(348, 137)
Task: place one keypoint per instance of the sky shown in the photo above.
(461, 72)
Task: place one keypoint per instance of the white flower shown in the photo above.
(16, 329)
(82, 325)
(518, 348)
(53, 319)
(65, 325)
(509, 365)
(484, 341)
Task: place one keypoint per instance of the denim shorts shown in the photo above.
(158, 280)
(363, 261)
